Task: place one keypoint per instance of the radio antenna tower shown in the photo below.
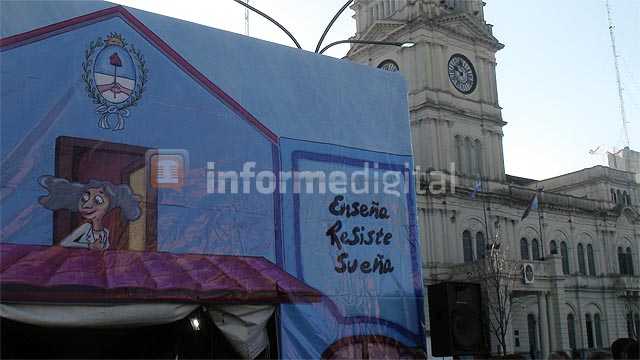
(246, 19)
(625, 133)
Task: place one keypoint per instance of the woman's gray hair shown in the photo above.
(65, 194)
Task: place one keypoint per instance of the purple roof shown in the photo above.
(53, 273)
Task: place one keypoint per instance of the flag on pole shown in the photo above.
(533, 204)
(475, 191)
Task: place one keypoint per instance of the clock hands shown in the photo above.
(460, 73)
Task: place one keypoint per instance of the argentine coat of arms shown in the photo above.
(115, 76)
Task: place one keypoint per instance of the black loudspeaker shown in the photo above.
(455, 316)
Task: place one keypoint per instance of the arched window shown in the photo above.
(589, 328)
(480, 245)
(479, 162)
(467, 246)
(629, 261)
(622, 261)
(581, 263)
(597, 322)
(571, 330)
(564, 252)
(633, 324)
(619, 196)
(625, 198)
(553, 248)
(614, 197)
(535, 249)
(591, 260)
(458, 143)
(524, 249)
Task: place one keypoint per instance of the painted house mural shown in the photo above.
(148, 161)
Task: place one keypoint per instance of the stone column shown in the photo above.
(432, 232)
(486, 74)
(433, 143)
(500, 158)
(444, 143)
(454, 241)
(430, 81)
(419, 68)
(513, 237)
(543, 325)
(487, 153)
(510, 348)
(496, 155)
(553, 335)
(557, 310)
(441, 75)
(492, 78)
(426, 240)
(416, 134)
(441, 234)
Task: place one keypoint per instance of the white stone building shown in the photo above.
(584, 238)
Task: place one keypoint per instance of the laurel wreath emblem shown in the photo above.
(105, 107)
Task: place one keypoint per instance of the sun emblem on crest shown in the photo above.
(115, 77)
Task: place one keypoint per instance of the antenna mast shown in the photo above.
(615, 61)
(246, 19)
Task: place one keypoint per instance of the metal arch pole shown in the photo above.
(270, 19)
(360, 42)
(335, 17)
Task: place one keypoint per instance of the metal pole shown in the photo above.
(335, 17)
(540, 217)
(270, 19)
(369, 42)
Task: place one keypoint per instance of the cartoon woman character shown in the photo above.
(93, 201)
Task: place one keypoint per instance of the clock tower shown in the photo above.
(456, 121)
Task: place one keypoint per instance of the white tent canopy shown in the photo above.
(244, 326)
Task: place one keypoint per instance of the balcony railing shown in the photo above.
(543, 270)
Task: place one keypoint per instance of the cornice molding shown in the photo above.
(380, 30)
(454, 113)
(477, 32)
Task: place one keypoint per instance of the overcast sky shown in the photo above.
(556, 75)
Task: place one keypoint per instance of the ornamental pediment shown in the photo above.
(467, 26)
(381, 29)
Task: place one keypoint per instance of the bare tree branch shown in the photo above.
(498, 277)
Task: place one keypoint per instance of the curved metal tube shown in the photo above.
(335, 17)
(270, 19)
(370, 42)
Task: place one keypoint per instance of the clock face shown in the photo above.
(462, 74)
(389, 65)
